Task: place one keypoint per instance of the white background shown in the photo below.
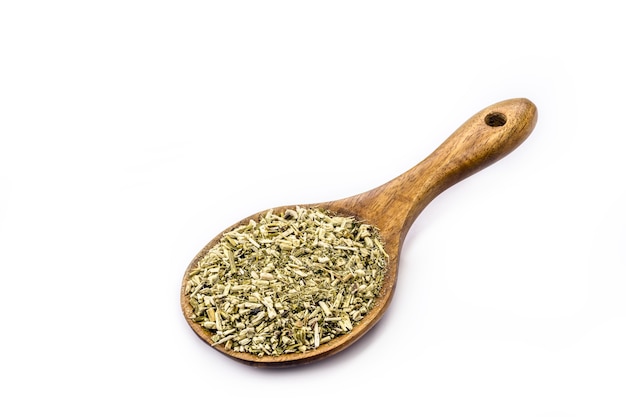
(133, 132)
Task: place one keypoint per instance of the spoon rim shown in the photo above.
(335, 345)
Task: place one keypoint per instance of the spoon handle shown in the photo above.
(482, 140)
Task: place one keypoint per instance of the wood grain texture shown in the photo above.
(392, 207)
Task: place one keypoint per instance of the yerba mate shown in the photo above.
(288, 282)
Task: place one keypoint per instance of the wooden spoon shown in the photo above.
(393, 207)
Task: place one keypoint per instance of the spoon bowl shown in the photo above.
(392, 208)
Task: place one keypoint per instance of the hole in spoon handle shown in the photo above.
(482, 140)
(488, 136)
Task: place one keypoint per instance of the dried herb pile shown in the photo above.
(287, 283)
